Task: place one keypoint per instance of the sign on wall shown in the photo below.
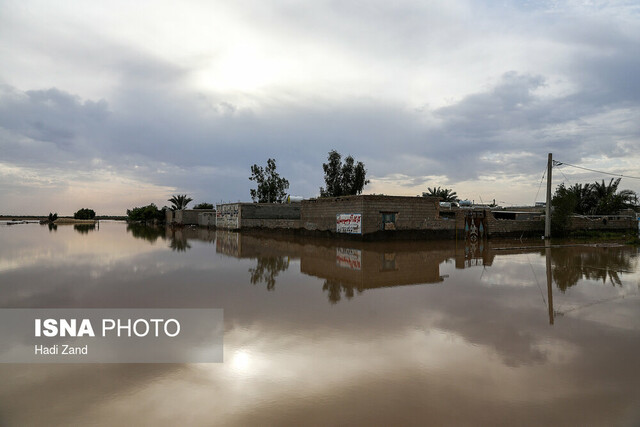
(349, 223)
(227, 216)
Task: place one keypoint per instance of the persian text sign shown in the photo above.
(349, 223)
(164, 335)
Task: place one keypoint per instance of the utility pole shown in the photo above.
(547, 252)
(547, 207)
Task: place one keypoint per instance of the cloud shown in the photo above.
(467, 95)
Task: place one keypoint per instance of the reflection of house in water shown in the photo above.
(475, 254)
(346, 269)
(373, 267)
(381, 265)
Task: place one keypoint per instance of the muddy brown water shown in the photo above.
(322, 332)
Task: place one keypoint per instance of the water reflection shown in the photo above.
(84, 228)
(267, 269)
(591, 263)
(419, 329)
(179, 237)
(146, 232)
(335, 289)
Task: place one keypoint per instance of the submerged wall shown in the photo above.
(189, 216)
(235, 216)
(373, 213)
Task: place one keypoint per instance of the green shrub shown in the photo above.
(146, 213)
(85, 213)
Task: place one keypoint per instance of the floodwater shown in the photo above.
(324, 332)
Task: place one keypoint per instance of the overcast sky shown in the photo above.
(117, 104)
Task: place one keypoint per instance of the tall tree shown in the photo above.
(271, 187)
(343, 179)
(446, 194)
(179, 202)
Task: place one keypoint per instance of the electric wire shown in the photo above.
(540, 185)
(557, 163)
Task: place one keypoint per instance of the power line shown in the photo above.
(540, 186)
(555, 163)
(565, 176)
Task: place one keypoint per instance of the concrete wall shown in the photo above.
(235, 216)
(207, 219)
(411, 213)
(189, 216)
(270, 211)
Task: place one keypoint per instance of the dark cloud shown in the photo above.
(156, 126)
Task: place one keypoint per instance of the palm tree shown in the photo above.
(584, 198)
(179, 202)
(446, 194)
(608, 200)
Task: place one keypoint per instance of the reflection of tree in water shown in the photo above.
(146, 232)
(571, 265)
(267, 268)
(336, 288)
(52, 226)
(84, 228)
(179, 244)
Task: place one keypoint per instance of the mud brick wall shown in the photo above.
(320, 214)
(207, 219)
(270, 223)
(496, 227)
(611, 223)
(411, 213)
